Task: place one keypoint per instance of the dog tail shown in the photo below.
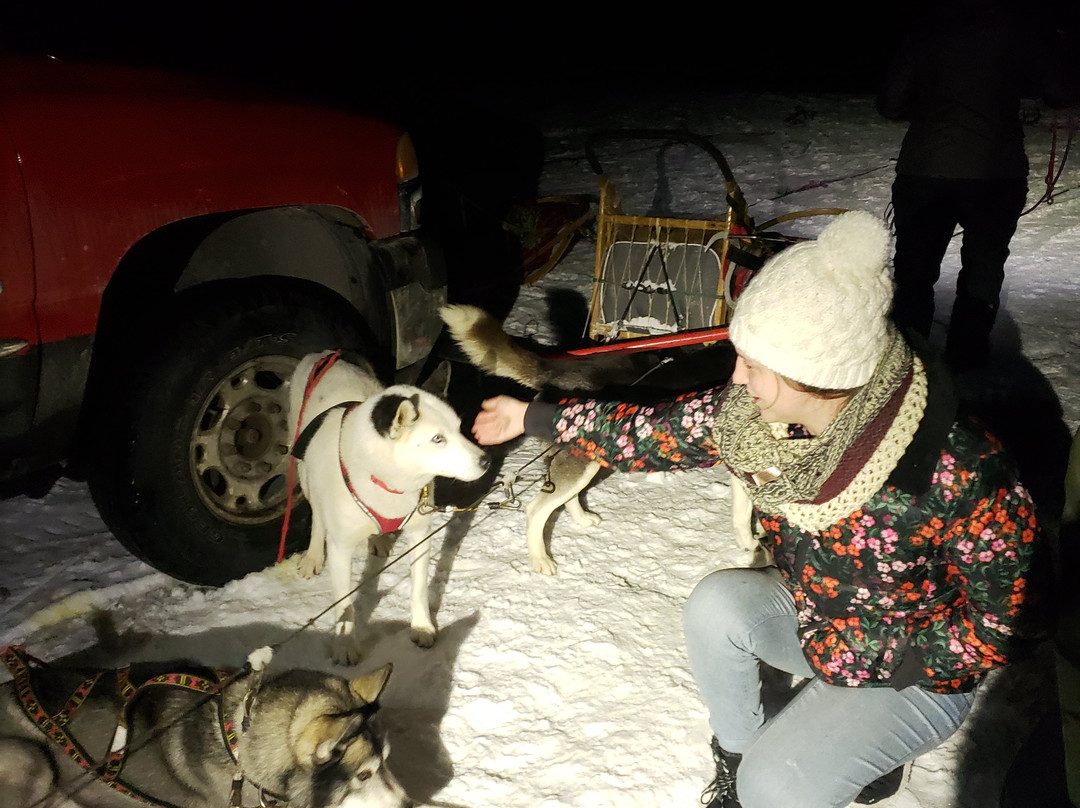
(490, 348)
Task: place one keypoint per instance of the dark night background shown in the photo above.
(400, 49)
(471, 84)
(405, 49)
(424, 63)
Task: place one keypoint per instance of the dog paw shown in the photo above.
(308, 566)
(423, 637)
(544, 565)
(344, 651)
(380, 546)
(586, 519)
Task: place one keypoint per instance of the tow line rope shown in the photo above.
(510, 501)
(825, 183)
(1053, 176)
(1053, 172)
(259, 659)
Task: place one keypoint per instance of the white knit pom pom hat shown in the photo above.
(817, 312)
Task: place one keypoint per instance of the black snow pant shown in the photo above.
(926, 211)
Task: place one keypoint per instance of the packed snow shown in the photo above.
(574, 689)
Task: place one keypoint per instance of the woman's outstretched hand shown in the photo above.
(500, 419)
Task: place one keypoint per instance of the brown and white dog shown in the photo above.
(632, 376)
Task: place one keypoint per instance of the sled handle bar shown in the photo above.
(734, 192)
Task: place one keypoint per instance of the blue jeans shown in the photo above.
(829, 741)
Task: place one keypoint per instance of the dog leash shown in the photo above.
(510, 501)
(257, 662)
(318, 370)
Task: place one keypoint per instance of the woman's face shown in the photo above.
(778, 401)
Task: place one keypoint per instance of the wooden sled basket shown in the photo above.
(655, 275)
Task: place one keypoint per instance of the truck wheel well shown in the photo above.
(224, 254)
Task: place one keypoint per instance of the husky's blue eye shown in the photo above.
(438, 439)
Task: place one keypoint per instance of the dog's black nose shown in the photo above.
(485, 461)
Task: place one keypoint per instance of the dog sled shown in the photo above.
(661, 280)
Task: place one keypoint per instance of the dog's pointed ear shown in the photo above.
(368, 688)
(318, 739)
(327, 737)
(393, 414)
(408, 413)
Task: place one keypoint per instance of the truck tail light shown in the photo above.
(409, 189)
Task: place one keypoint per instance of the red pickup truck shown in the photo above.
(169, 247)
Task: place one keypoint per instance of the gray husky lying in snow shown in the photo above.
(170, 734)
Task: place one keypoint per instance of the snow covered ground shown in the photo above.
(574, 690)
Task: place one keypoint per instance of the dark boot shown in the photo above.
(967, 344)
(913, 313)
(882, 788)
(720, 793)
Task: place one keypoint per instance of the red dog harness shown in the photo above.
(386, 525)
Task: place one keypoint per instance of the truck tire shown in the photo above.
(192, 467)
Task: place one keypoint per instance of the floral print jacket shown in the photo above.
(926, 587)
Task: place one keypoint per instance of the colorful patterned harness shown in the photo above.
(29, 680)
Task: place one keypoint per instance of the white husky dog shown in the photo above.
(367, 456)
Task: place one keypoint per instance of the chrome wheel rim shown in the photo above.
(239, 449)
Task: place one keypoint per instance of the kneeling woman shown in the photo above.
(903, 541)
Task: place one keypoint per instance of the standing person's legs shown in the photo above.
(989, 211)
(733, 619)
(924, 221)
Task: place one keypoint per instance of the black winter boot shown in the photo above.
(967, 344)
(882, 788)
(720, 793)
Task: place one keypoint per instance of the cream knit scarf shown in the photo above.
(784, 476)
